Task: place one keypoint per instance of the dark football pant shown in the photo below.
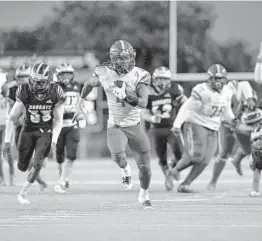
(67, 142)
(31, 140)
(162, 137)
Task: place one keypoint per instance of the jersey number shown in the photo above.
(166, 109)
(36, 116)
(71, 100)
(217, 110)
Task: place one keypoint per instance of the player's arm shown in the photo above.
(181, 99)
(141, 99)
(247, 92)
(87, 88)
(58, 121)
(14, 114)
(192, 104)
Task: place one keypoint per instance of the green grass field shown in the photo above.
(98, 209)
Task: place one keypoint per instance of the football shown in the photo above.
(129, 89)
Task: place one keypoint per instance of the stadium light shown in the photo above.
(173, 36)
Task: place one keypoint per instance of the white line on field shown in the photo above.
(153, 182)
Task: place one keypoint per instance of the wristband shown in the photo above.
(131, 100)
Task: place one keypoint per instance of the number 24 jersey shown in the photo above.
(39, 109)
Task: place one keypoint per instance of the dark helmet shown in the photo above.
(40, 77)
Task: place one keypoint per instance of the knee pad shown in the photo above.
(69, 163)
(22, 166)
(71, 156)
(60, 158)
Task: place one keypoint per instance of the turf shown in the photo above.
(98, 209)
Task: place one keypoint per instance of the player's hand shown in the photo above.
(243, 128)
(6, 149)
(53, 148)
(176, 131)
(78, 112)
(156, 118)
(251, 104)
(119, 90)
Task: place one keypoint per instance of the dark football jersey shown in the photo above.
(39, 109)
(165, 105)
(12, 92)
(72, 93)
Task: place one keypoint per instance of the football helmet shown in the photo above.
(122, 56)
(22, 74)
(65, 73)
(217, 77)
(161, 79)
(40, 78)
(252, 117)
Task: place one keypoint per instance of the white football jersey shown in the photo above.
(213, 106)
(238, 92)
(121, 113)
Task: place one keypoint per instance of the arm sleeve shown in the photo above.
(20, 95)
(191, 104)
(60, 94)
(246, 90)
(58, 121)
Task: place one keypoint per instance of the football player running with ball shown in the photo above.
(69, 137)
(42, 101)
(201, 116)
(126, 88)
(164, 100)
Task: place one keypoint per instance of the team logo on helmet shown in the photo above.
(40, 77)
(217, 77)
(122, 56)
(65, 73)
(161, 79)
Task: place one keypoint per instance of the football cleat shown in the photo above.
(184, 189)
(2, 182)
(144, 200)
(22, 199)
(60, 188)
(43, 187)
(147, 205)
(127, 182)
(237, 165)
(211, 186)
(254, 194)
(67, 184)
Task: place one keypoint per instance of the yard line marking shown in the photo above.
(182, 200)
(153, 182)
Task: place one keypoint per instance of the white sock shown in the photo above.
(25, 188)
(66, 172)
(144, 193)
(60, 169)
(126, 172)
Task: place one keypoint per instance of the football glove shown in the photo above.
(119, 92)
